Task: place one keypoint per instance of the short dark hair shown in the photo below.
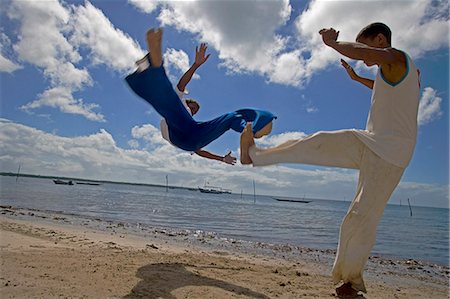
(192, 101)
(372, 30)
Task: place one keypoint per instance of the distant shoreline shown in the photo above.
(125, 183)
(84, 180)
(11, 174)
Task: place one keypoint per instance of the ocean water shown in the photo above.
(424, 236)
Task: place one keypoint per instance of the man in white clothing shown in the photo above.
(381, 152)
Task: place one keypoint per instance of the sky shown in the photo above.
(67, 111)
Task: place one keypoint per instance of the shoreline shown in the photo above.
(38, 247)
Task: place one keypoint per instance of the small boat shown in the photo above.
(214, 190)
(88, 183)
(291, 200)
(61, 182)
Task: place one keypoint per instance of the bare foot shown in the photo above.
(264, 131)
(346, 291)
(246, 142)
(154, 39)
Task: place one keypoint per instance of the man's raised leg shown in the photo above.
(246, 142)
(154, 40)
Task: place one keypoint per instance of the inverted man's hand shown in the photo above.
(229, 159)
(200, 54)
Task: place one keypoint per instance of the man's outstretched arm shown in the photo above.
(228, 158)
(359, 51)
(200, 58)
(351, 72)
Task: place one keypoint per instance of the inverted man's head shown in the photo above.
(193, 105)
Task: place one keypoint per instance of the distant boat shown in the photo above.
(61, 182)
(214, 190)
(88, 183)
(291, 200)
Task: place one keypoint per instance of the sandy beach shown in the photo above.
(45, 255)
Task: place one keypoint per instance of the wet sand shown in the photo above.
(50, 255)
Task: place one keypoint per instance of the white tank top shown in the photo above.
(391, 128)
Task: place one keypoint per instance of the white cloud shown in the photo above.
(147, 6)
(177, 61)
(6, 65)
(288, 68)
(42, 42)
(62, 99)
(66, 75)
(429, 106)
(150, 134)
(133, 143)
(420, 30)
(108, 45)
(50, 37)
(423, 194)
(274, 140)
(312, 109)
(245, 33)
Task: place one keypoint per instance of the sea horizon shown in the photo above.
(67, 178)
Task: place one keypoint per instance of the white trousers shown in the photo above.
(377, 180)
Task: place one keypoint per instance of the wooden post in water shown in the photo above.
(410, 210)
(17, 176)
(254, 192)
(167, 183)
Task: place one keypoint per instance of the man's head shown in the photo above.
(193, 105)
(376, 35)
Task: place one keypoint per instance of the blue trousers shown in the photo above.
(153, 86)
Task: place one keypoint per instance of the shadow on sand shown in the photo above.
(358, 296)
(159, 280)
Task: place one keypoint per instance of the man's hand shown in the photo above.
(365, 81)
(349, 69)
(200, 54)
(229, 159)
(329, 36)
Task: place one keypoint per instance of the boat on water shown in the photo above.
(214, 190)
(291, 200)
(61, 182)
(88, 183)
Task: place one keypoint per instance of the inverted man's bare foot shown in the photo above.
(346, 291)
(154, 40)
(246, 142)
